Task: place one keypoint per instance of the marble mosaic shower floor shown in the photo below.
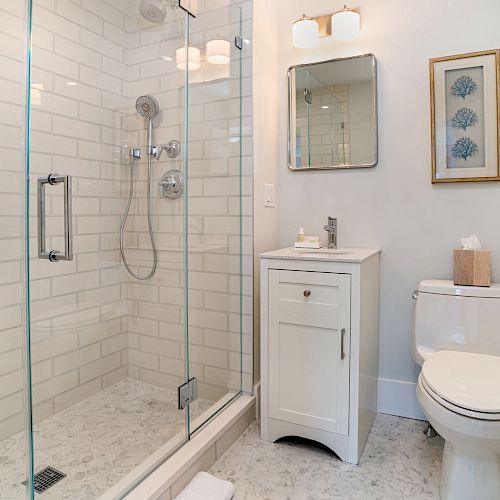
(398, 463)
(97, 441)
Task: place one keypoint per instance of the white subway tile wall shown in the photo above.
(78, 308)
(157, 313)
(324, 136)
(92, 324)
(12, 128)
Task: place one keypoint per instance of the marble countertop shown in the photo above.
(322, 254)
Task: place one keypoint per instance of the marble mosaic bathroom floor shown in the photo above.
(398, 463)
(97, 441)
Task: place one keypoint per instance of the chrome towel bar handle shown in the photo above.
(43, 253)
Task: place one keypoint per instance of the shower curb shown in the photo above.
(200, 453)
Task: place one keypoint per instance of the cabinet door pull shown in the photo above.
(307, 293)
(342, 335)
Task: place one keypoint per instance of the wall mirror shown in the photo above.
(333, 114)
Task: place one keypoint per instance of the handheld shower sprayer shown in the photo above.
(147, 106)
(171, 186)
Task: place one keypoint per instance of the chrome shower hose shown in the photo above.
(124, 221)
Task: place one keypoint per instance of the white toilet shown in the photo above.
(457, 342)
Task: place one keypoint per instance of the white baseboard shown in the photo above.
(396, 397)
(256, 393)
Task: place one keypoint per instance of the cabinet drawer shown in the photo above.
(311, 294)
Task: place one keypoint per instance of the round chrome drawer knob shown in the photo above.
(307, 293)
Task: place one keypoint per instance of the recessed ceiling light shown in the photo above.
(71, 84)
(324, 107)
(167, 58)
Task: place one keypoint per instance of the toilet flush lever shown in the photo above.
(414, 295)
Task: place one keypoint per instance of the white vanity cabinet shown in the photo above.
(319, 346)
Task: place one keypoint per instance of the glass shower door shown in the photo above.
(102, 333)
(216, 242)
(14, 375)
(132, 292)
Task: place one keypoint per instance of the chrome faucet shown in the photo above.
(331, 229)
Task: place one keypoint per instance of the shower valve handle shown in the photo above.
(172, 148)
(172, 185)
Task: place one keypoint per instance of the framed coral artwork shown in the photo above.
(465, 117)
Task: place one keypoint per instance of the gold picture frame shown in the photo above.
(465, 112)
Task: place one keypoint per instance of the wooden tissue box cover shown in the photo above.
(472, 267)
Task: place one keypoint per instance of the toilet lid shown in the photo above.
(465, 379)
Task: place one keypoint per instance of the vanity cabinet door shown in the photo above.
(309, 332)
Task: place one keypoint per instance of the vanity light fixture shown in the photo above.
(191, 62)
(305, 32)
(343, 25)
(346, 24)
(218, 51)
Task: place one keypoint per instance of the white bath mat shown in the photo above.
(207, 487)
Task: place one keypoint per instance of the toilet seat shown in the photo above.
(458, 409)
(465, 383)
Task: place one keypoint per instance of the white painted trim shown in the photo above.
(397, 397)
(256, 394)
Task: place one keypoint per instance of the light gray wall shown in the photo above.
(394, 206)
(361, 123)
(265, 140)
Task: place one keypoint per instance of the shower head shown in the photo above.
(153, 11)
(147, 106)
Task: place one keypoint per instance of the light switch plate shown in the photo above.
(269, 195)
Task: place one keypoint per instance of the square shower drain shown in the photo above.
(46, 478)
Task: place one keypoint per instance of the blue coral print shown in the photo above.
(463, 86)
(464, 117)
(464, 148)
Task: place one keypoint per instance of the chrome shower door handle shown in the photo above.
(43, 253)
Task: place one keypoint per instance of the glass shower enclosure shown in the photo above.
(322, 124)
(121, 230)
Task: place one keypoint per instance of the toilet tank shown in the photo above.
(451, 317)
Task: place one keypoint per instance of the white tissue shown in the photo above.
(471, 243)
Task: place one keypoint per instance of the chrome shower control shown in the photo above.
(172, 148)
(172, 184)
(135, 153)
